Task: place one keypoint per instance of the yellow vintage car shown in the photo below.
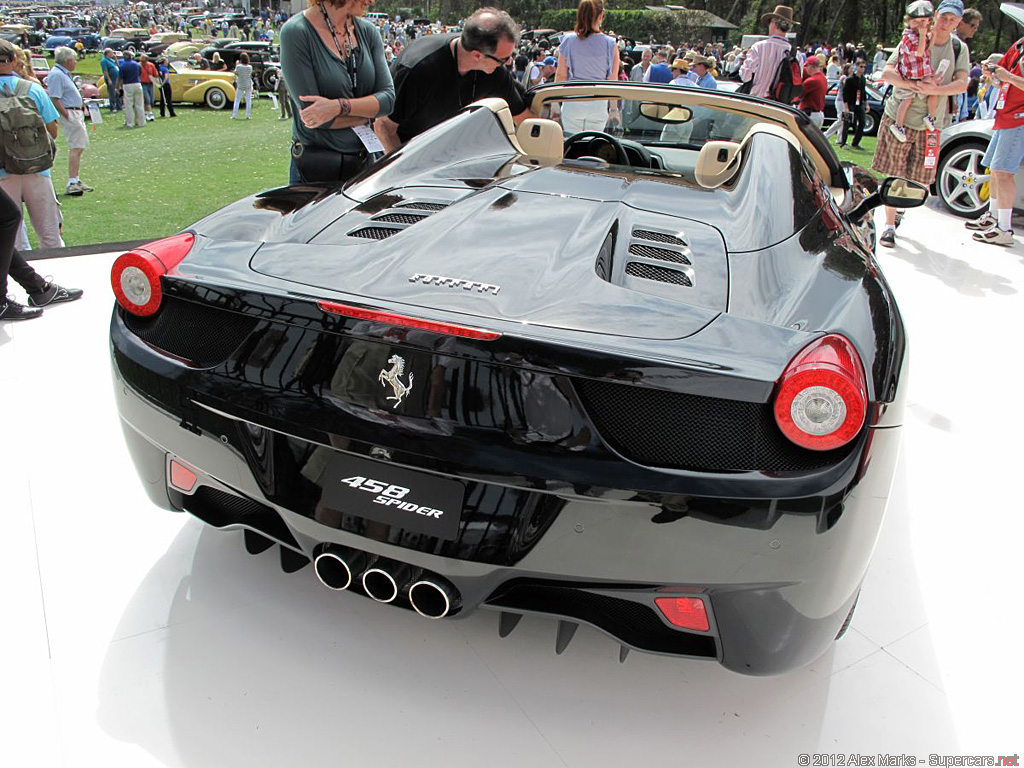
(196, 86)
(183, 49)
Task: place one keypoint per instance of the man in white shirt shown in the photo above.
(639, 70)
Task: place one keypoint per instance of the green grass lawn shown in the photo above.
(860, 157)
(151, 182)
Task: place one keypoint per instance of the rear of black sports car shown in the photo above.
(529, 393)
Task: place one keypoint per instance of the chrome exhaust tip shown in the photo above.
(385, 582)
(433, 600)
(336, 567)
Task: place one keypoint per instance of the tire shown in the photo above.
(130, 49)
(215, 98)
(961, 181)
(269, 79)
(870, 124)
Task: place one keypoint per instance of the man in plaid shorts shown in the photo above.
(912, 160)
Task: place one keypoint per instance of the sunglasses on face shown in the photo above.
(496, 59)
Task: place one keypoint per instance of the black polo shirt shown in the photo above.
(429, 89)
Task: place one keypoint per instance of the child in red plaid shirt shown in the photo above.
(913, 60)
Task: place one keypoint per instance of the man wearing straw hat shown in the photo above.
(763, 59)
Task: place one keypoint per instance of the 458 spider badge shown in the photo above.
(393, 377)
(390, 495)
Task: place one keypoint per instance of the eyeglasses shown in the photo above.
(496, 59)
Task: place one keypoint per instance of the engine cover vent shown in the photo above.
(658, 237)
(650, 252)
(424, 206)
(661, 274)
(401, 218)
(374, 233)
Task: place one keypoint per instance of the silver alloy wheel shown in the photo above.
(215, 98)
(960, 178)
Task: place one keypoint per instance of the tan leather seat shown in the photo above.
(541, 140)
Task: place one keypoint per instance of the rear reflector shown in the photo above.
(405, 321)
(182, 478)
(685, 612)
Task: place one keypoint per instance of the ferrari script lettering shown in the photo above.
(390, 495)
(455, 282)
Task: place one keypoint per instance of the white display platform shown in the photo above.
(136, 637)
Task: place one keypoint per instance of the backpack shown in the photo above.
(25, 144)
(787, 85)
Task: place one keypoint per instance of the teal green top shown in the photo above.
(312, 69)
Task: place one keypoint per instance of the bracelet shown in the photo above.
(344, 107)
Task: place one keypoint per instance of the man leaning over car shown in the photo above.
(68, 100)
(438, 75)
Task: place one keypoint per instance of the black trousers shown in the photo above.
(11, 262)
(165, 98)
(856, 116)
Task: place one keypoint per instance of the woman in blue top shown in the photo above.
(333, 65)
(588, 54)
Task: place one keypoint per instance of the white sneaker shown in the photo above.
(929, 123)
(899, 133)
(995, 236)
(980, 225)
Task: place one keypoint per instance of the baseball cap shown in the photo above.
(951, 6)
(814, 61)
(550, 61)
(920, 9)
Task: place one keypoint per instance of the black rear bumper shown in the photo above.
(778, 573)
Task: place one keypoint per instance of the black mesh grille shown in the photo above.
(424, 206)
(374, 233)
(639, 249)
(199, 333)
(658, 237)
(217, 508)
(401, 218)
(603, 265)
(680, 431)
(661, 274)
(632, 622)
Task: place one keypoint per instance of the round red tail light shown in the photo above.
(822, 397)
(135, 276)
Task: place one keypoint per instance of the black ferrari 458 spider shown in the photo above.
(645, 376)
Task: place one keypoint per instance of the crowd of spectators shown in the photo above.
(402, 76)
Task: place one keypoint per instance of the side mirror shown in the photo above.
(902, 193)
(894, 192)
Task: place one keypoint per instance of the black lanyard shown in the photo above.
(350, 64)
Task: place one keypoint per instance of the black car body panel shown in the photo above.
(616, 443)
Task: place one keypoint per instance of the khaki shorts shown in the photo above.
(896, 159)
(73, 127)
